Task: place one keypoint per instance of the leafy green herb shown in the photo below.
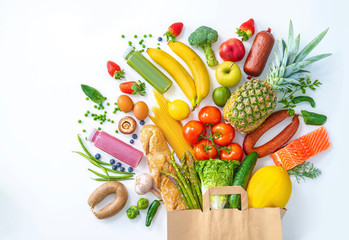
(304, 170)
(288, 98)
(93, 94)
(311, 118)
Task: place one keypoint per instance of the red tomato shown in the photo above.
(210, 115)
(192, 130)
(224, 132)
(201, 154)
(235, 153)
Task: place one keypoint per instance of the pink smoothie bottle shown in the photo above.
(115, 147)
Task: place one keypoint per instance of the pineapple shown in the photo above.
(255, 100)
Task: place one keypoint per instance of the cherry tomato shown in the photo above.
(192, 130)
(224, 132)
(210, 115)
(235, 153)
(201, 154)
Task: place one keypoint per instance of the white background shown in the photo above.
(48, 48)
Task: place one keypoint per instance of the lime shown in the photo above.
(178, 109)
(221, 95)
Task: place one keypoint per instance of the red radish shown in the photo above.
(173, 31)
(115, 71)
(133, 87)
(246, 30)
(232, 50)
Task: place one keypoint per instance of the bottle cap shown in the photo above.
(92, 134)
(127, 52)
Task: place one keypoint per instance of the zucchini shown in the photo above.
(242, 178)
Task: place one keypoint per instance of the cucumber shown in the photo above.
(242, 178)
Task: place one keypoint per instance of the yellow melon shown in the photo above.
(269, 187)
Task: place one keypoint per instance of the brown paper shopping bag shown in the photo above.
(225, 224)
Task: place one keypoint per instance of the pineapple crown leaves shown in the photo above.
(287, 69)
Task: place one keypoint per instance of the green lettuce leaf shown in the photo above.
(216, 173)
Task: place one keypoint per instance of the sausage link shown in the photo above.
(258, 56)
(278, 141)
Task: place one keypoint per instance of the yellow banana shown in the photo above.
(177, 72)
(197, 68)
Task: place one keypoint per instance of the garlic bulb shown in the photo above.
(144, 184)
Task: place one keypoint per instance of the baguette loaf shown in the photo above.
(159, 157)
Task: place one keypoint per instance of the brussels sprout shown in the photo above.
(143, 203)
(132, 212)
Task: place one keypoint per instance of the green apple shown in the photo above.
(228, 74)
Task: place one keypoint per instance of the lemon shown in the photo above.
(178, 109)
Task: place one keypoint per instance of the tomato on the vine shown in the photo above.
(192, 130)
(201, 148)
(236, 152)
(223, 134)
(210, 115)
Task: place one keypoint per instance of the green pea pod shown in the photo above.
(311, 118)
(93, 94)
(152, 211)
(304, 99)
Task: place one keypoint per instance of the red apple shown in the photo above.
(232, 50)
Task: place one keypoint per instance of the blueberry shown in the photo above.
(130, 169)
(98, 156)
(118, 164)
(112, 161)
(122, 169)
(114, 167)
(142, 122)
(132, 141)
(159, 39)
(134, 136)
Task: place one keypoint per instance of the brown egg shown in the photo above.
(125, 103)
(140, 110)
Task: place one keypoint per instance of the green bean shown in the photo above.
(105, 180)
(120, 172)
(89, 154)
(93, 162)
(110, 178)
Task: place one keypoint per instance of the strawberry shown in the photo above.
(173, 31)
(246, 30)
(133, 87)
(115, 71)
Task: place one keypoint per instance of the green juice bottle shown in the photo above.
(147, 70)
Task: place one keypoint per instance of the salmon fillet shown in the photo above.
(301, 149)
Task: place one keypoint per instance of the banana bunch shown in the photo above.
(194, 90)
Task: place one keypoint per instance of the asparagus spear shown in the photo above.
(187, 188)
(180, 188)
(194, 177)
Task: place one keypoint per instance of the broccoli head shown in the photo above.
(203, 37)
